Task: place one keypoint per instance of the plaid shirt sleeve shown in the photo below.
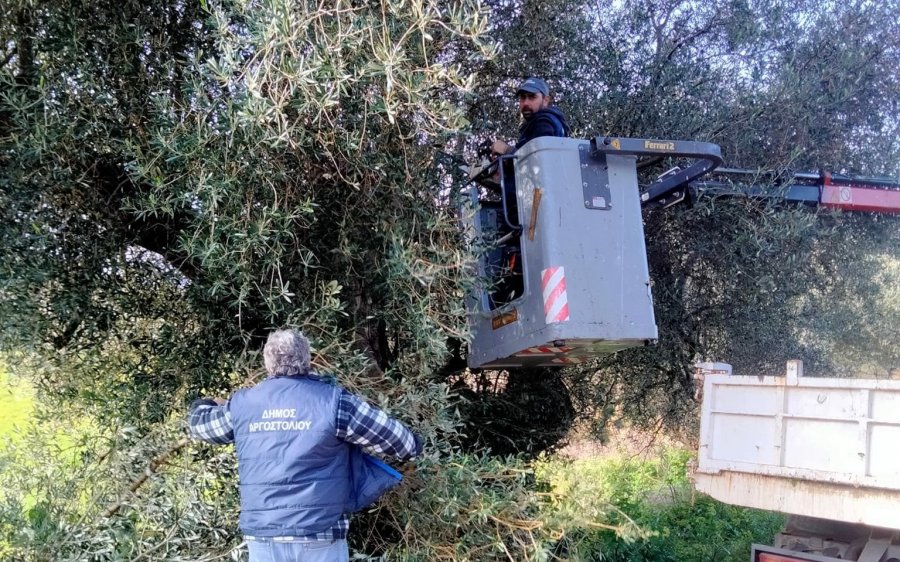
(210, 422)
(373, 430)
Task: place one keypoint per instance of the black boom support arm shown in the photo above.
(708, 157)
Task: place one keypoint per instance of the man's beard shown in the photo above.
(527, 114)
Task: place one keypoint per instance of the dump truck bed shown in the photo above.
(819, 447)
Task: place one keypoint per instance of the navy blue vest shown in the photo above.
(294, 473)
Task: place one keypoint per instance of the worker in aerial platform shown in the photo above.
(540, 118)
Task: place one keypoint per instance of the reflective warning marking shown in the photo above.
(543, 351)
(568, 360)
(505, 318)
(556, 301)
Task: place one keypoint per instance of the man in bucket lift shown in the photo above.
(539, 119)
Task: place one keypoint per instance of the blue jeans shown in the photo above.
(272, 550)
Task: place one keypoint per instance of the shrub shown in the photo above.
(655, 516)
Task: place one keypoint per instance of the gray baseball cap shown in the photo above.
(534, 85)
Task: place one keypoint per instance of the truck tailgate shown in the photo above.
(821, 447)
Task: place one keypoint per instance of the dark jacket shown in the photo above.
(549, 122)
(296, 477)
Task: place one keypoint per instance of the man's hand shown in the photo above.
(498, 147)
(219, 401)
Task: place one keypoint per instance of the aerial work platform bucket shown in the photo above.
(581, 285)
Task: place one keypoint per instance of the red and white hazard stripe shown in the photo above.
(544, 350)
(568, 360)
(556, 301)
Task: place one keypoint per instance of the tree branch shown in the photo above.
(24, 49)
(152, 468)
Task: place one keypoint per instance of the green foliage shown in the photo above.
(484, 508)
(178, 178)
(453, 507)
(698, 530)
(858, 259)
(263, 168)
(57, 481)
(16, 403)
(654, 498)
(767, 81)
(524, 411)
(733, 280)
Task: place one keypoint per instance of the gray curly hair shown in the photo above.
(286, 353)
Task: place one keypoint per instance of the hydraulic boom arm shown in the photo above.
(835, 191)
(669, 187)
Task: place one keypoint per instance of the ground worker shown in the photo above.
(298, 440)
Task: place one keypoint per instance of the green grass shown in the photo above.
(16, 407)
(16, 404)
(656, 494)
(37, 458)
